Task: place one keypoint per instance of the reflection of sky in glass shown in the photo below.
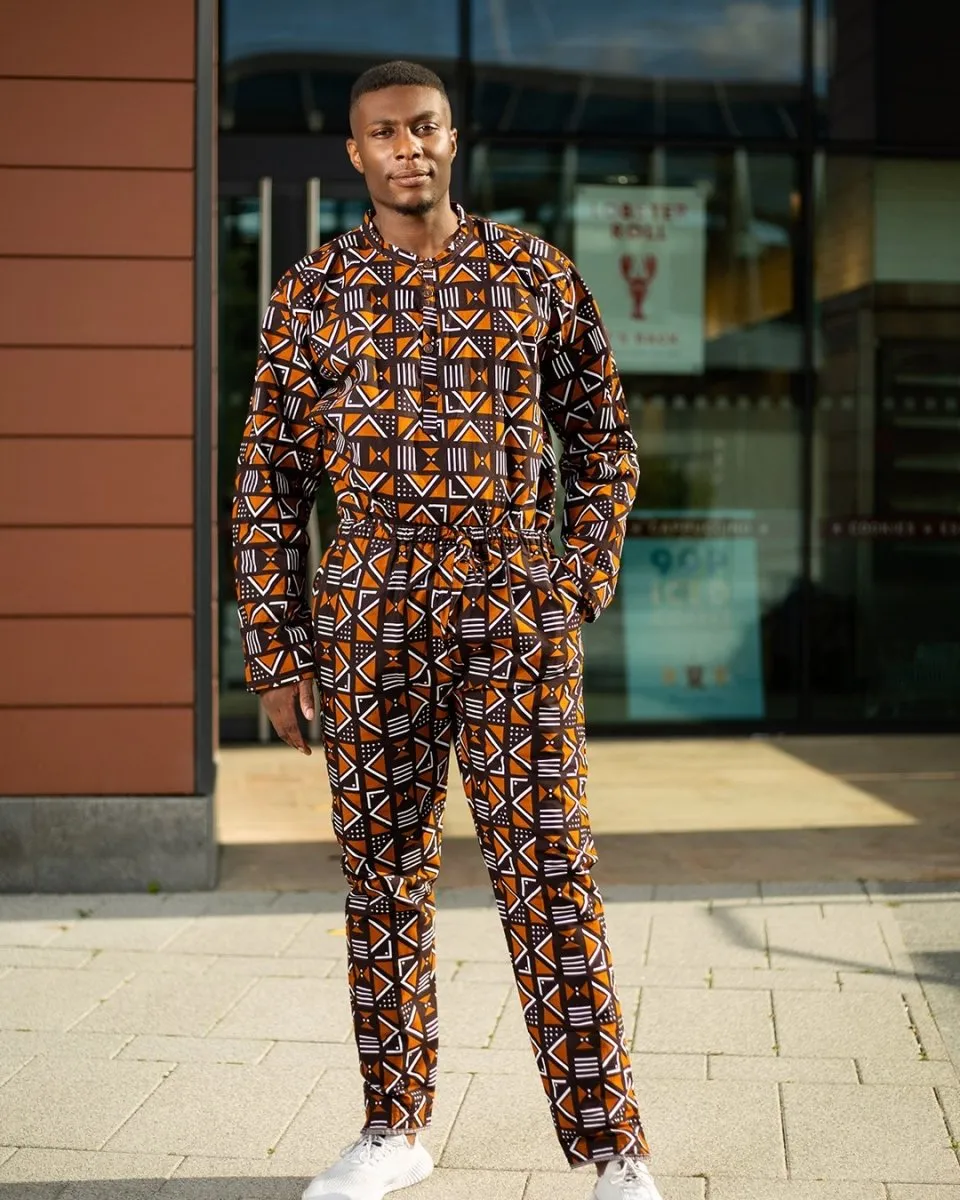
(674, 39)
(371, 28)
(696, 39)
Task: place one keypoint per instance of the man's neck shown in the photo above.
(424, 235)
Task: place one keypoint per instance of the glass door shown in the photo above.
(263, 230)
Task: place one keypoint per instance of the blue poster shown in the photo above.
(691, 612)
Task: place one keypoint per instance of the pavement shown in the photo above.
(794, 1038)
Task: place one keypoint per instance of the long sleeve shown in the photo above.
(584, 402)
(277, 476)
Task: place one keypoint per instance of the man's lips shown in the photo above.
(411, 179)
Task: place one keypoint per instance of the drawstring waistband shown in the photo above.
(410, 531)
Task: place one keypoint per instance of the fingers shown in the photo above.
(305, 690)
(281, 707)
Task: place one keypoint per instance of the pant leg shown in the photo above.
(386, 734)
(520, 746)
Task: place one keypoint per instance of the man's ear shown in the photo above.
(354, 155)
(453, 138)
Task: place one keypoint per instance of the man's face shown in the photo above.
(403, 146)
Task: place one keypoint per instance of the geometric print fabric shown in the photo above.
(427, 390)
(427, 636)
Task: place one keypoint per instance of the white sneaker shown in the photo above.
(375, 1164)
(626, 1179)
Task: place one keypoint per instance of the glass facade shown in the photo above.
(782, 287)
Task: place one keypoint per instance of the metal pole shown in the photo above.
(265, 288)
(313, 524)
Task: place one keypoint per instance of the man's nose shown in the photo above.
(407, 146)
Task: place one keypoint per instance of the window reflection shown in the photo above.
(886, 520)
(718, 423)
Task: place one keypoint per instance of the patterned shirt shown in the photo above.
(426, 389)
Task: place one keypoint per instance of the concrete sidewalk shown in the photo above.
(197, 1047)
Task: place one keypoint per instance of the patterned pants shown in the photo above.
(427, 634)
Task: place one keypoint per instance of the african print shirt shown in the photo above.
(426, 388)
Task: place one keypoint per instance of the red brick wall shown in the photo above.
(97, 186)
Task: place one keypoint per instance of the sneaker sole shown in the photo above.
(417, 1174)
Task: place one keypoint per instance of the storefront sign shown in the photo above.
(641, 251)
(692, 619)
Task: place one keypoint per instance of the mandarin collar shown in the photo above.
(373, 235)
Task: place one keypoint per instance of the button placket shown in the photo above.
(429, 367)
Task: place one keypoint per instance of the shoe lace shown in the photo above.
(367, 1149)
(633, 1178)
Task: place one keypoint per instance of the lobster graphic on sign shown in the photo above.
(639, 280)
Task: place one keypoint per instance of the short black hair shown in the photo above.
(398, 73)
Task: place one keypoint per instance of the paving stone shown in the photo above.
(845, 938)
(469, 1060)
(780, 980)
(259, 966)
(931, 1073)
(627, 893)
(313, 903)
(469, 1011)
(853, 1024)
(446, 1184)
(290, 1010)
(730, 937)
(205, 1178)
(576, 1185)
(10, 1064)
(149, 962)
(74, 1103)
(783, 1070)
(58, 1044)
(718, 1022)
(322, 936)
(716, 1128)
(483, 972)
(926, 1027)
(844, 1133)
(474, 933)
(511, 1114)
(741, 893)
(85, 1175)
(149, 1048)
(630, 972)
(628, 930)
(922, 1191)
(333, 1116)
(949, 1098)
(161, 1004)
(105, 932)
(264, 933)
(869, 980)
(221, 903)
(320, 1055)
(216, 1108)
(59, 908)
(747, 1189)
(38, 956)
(802, 893)
(669, 1066)
(30, 933)
(38, 998)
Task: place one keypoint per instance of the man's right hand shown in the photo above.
(280, 705)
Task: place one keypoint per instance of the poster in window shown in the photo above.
(691, 603)
(642, 251)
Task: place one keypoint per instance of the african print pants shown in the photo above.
(428, 634)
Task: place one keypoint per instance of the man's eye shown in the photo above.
(426, 129)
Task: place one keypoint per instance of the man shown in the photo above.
(418, 359)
